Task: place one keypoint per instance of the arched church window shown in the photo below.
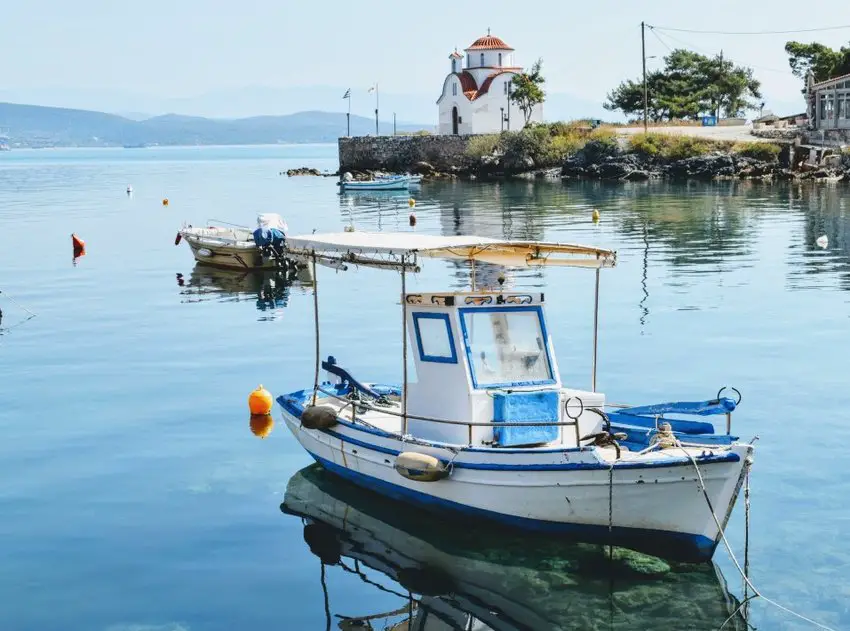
(482, 60)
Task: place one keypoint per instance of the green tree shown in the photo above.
(689, 85)
(527, 90)
(823, 62)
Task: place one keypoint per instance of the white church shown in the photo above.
(475, 98)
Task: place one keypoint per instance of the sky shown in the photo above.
(172, 49)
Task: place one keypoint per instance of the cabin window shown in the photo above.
(434, 337)
(506, 346)
(454, 89)
(482, 59)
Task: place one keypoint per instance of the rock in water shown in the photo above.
(303, 171)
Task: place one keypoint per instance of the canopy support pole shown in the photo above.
(473, 274)
(404, 347)
(595, 329)
(316, 321)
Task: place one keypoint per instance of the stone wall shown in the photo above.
(402, 153)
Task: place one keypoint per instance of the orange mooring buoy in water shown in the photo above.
(261, 424)
(78, 244)
(260, 401)
(165, 202)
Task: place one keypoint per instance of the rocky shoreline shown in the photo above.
(591, 163)
(619, 161)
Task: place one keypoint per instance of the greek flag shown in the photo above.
(347, 94)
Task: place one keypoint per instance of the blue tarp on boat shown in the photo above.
(518, 407)
(269, 236)
(700, 408)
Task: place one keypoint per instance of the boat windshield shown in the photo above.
(506, 346)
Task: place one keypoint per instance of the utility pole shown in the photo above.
(719, 93)
(643, 55)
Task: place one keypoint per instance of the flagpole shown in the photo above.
(348, 116)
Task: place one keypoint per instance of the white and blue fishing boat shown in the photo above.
(376, 184)
(488, 428)
(412, 179)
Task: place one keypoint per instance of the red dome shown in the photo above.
(488, 42)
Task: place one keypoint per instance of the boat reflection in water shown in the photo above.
(268, 289)
(469, 576)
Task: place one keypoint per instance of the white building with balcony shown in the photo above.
(476, 93)
(828, 103)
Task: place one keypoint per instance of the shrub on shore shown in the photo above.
(483, 145)
(673, 146)
(766, 151)
(544, 145)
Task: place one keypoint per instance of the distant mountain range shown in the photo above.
(39, 126)
(254, 100)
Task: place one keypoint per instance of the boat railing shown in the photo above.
(573, 422)
(355, 403)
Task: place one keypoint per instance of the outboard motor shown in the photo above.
(270, 236)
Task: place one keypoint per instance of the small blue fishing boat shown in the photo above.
(377, 184)
(411, 179)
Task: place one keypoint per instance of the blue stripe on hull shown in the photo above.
(682, 545)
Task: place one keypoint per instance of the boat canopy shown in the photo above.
(401, 249)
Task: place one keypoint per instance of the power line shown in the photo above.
(704, 51)
(658, 37)
(802, 30)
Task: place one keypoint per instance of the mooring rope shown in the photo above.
(747, 581)
(31, 314)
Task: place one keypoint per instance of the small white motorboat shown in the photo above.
(489, 429)
(230, 246)
(411, 179)
(377, 184)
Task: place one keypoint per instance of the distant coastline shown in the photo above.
(36, 126)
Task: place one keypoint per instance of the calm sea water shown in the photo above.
(134, 497)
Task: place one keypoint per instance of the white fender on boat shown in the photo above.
(420, 467)
(318, 417)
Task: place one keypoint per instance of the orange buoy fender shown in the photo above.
(165, 202)
(260, 401)
(78, 244)
(420, 467)
(177, 239)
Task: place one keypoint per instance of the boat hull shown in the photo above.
(552, 490)
(230, 257)
(376, 185)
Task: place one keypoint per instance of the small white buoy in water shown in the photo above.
(823, 242)
(349, 228)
